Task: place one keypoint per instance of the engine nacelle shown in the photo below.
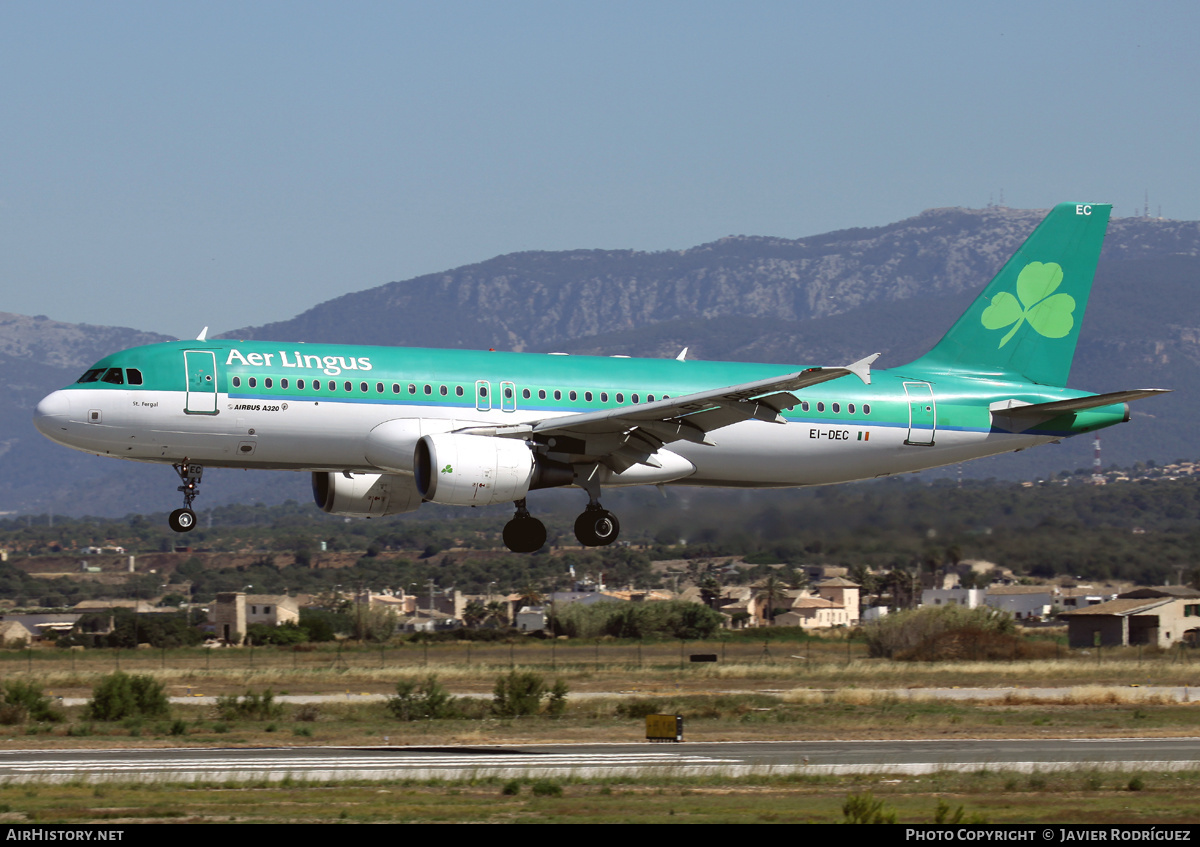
(365, 494)
(391, 445)
(473, 470)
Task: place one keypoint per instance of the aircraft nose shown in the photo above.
(52, 414)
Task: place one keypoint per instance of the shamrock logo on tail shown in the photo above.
(1048, 313)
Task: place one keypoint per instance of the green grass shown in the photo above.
(1073, 796)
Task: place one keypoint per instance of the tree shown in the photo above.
(424, 699)
(497, 612)
(772, 592)
(375, 623)
(474, 613)
(520, 693)
(23, 701)
(530, 596)
(119, 695)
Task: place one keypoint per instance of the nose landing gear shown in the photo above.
(184, 520)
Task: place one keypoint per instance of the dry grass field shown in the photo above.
(754, 691)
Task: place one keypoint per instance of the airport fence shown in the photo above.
(546, 655)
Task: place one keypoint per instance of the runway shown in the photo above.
(595, 760)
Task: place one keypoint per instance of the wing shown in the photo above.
(629, 435)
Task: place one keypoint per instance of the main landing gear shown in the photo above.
(596, 527)
(184, 520)
(524, 533)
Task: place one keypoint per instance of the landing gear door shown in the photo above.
(201, 367)
(922, 414)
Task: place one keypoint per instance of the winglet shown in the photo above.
(862, 368)
(203, 335)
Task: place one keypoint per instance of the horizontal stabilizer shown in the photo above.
(1017, 416)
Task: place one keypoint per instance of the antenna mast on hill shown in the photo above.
(1097, 477)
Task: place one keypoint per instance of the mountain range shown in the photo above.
(825, 299)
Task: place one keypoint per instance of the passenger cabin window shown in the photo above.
(283, 383)
(237, 382)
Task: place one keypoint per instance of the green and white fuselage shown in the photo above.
(383, 429)
(905, 420)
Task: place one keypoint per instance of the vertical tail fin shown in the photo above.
(1026, 322)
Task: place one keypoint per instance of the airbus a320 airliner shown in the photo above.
(384, 429)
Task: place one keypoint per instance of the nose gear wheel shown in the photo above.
(184, 520)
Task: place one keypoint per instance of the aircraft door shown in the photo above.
(483, 395)
(508, 397)
(201, 368)
(922, 414)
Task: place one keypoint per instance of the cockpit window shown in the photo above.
(133, 376)
(92, 375)
(114, 376)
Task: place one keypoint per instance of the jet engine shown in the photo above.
(365, 494)
(391, 445)
(479, 470)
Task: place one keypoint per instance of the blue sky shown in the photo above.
(171, 165)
